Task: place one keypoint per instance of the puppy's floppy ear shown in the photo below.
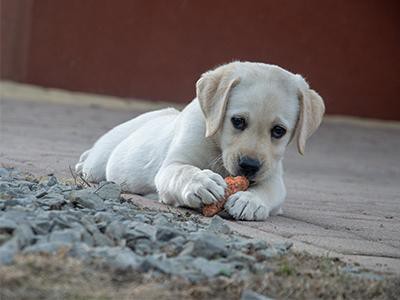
(213, 90)
(311, 111)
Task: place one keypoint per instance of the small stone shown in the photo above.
(283, 247)
(218, 225)
(163, 264)
(52, 181)
(141, 246)
(24, 235)
(250, 295)
(191, 226)
(4, 237)
(161, 220)
(7, 225)
(116, 208)
(142, 218)
(124, 260)
(115, 231)
(8, 251)
(206, 245)
(41, 193)
(15, 215)
(133, 234)
(267, 253)
(86, 198)
(26, 200)
(23, 189)
(177, 266)
(5, 172)
(104, 216)
(25, 183)
(80, 250)
(102, 226)
(45, 247)
(87, 238)
(212, 268)
(250, 244)
(62, 221)
(146, 229)
(178, 240)
(109, 191)
(67, 236)
(88, 222)
(11, 202)
(4, 187)
(54, 201)
(41, 226)
(165, 234)
(57, 189)
(117, 258)
(101, 240)
(242, 258)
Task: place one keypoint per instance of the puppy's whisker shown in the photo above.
(216, 163)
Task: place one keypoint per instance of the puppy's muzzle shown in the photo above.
(249, 166)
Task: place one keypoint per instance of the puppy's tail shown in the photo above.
(79, 165)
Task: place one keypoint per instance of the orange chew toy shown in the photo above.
(235, 184)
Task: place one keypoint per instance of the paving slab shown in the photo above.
(343, 195)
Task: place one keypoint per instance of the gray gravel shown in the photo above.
(94, 224)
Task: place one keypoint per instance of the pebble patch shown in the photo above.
(97, 226)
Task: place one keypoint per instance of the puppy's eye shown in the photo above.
(277, 132)
(239, 122)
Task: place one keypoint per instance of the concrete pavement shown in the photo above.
(343, 195)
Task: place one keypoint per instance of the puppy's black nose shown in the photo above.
(249, 166)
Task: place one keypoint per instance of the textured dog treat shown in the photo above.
(235, 184)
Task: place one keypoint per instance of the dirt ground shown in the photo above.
(343, 195)
(293, 276)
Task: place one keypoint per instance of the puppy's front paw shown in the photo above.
(244, 206)
(205, 187)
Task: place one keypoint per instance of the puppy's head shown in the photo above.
(253, 111)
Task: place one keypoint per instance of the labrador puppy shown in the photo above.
(240, 123)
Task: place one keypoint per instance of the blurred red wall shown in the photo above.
(348, 50)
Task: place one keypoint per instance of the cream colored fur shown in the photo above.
(183, 156)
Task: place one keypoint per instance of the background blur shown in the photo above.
(348, 50)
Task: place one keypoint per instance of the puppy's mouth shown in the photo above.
(234, 170)
(252, 179)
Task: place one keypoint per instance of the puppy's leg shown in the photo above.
(186, 185)
(276, 212)
(82, 158)
(258, 202)
(92, 164)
